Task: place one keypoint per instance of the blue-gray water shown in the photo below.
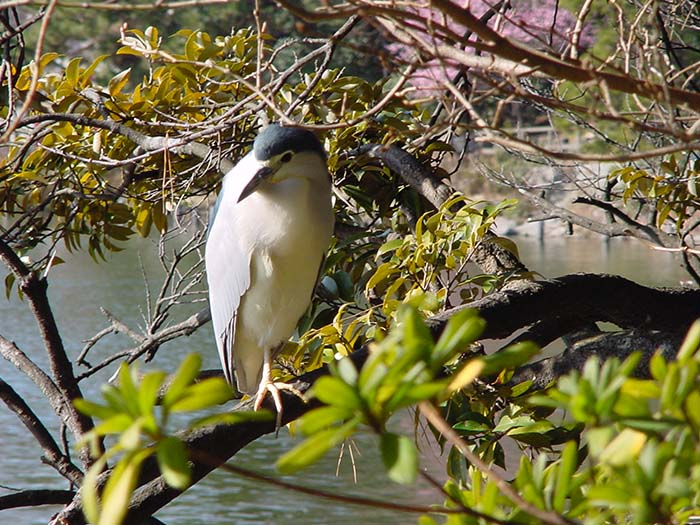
(79, 289)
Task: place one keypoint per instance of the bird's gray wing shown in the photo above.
(228, 274)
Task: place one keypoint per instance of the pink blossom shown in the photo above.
(541, 24)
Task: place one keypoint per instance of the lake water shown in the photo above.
(77, 292)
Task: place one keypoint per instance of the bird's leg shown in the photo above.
(267, 385)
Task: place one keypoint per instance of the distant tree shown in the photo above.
(416, 279)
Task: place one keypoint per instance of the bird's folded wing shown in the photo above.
(228, 275)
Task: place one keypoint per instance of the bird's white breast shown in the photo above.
(287, 226)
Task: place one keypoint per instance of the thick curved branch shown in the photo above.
(587, 297)
(605, 346)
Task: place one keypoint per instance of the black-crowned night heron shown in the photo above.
(272, 224)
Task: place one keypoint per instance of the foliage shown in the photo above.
(138, 412)
(104, 153)
(427, 266)
(402, 370)
(672, 194)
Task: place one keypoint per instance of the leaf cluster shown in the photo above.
(402, 370)
(137, 412)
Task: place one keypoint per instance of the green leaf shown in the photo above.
(172, 461)
(148, 391)
(347, 371)
(93, 409)
(9, 281)
(508, 423)
(416, 337)
(314, 448)
(538, 427)
(383, 271)
(400, 457)
(114, 425)
(128, 389)
(333, 391)
(690, 343)
(466, 375)
(130, 438)
(462, 329)
(657, 366)
(322, 418)
(390, 246)
(567, 467)
(117, 83)
(186, 373)
(88, 491)
(624, 448)
(511, 357)
(119, 487)
(234, 418)
(205, 394)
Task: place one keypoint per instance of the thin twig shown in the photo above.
(431, 413)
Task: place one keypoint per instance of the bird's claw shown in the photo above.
(274, 389)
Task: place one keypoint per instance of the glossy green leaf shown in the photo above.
(234, 418)
(690, 343)
(128, 389)
(567, 467)
(321, 418)
(463, 328)
(400, 457)
(205, 394)
(508, 358)
(93, 409)
(148, 390)
(88, 490)
(119, 487)
(185, 375)
(333, 391)
(114, 424)
(172, 462)
(314, 448)
(624, 448)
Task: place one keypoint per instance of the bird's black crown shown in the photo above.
(276, 139)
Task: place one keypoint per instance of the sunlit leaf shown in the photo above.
(208, 393)
(314, 448)
(172, 461)
(186, 373)
(400, 457)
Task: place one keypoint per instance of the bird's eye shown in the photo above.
(286, 157)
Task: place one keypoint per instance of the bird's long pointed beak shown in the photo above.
(259, 176)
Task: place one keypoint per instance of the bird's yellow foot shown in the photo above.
(274, 389)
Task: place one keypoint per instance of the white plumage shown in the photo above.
(272, 225)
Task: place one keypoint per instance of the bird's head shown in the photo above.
(281, 152)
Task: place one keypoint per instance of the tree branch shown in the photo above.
(605, 346)
(221, 442)
(597, 298)
(33, 498)
(29, 419)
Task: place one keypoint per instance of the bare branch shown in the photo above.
(53, 455)
(33, 498)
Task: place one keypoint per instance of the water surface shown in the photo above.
(79, 289)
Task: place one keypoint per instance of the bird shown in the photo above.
(271, 227)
